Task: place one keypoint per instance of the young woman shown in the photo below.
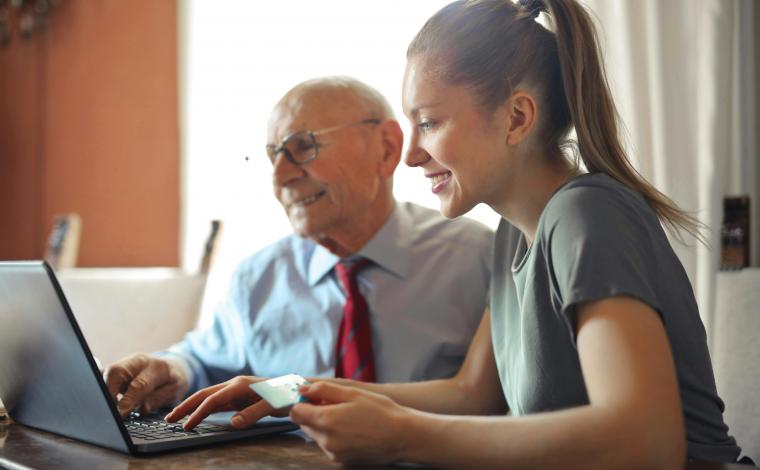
(593, 354)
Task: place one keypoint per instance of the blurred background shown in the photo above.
(125, 124)
(138, 115)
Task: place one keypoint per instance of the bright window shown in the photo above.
(238, 58)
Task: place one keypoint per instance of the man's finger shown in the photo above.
(119, 375)
(247, 417)
(160, 397)
(191, 403)
(140, 387)
(117, 380)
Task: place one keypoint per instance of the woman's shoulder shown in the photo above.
(597, 197)
(598, 210)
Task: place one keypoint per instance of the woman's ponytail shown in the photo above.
(492, 46)
(593, 112)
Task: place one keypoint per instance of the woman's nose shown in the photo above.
(415, 155)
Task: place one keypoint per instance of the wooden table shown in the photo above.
(28, 447)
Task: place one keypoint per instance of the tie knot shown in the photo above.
(348, 269)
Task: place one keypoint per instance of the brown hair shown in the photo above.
(492, 46)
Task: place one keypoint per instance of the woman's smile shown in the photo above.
(439, 180)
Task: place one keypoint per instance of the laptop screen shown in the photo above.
(48, 378)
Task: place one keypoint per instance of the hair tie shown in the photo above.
(532, 8)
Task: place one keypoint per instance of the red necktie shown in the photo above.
(353, 350)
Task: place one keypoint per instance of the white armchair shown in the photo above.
(735, 339)
(125, 310)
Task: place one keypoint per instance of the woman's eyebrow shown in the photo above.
(416, 110)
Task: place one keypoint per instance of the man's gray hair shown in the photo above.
(376, 103)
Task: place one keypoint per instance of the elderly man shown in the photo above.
(364, 289)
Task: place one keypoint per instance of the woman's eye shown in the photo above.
(425, 125)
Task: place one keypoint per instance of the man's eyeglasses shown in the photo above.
(301, 147)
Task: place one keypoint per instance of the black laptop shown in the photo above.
(49, 379)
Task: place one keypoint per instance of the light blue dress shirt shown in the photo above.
(426, 290)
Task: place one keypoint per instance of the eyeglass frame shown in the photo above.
(281, 149)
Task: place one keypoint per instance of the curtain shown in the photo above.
(682, 73)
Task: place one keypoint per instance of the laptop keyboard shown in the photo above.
(153, 428)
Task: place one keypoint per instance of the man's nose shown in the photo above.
(284, 171)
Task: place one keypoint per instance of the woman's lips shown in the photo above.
(439, 181)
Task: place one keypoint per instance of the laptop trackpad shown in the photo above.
(223, 419)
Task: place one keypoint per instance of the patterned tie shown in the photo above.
(353, 350)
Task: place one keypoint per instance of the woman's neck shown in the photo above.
(531, 189)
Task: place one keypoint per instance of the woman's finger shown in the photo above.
(328, 392)
(219, 401)
(247, 417)
(191, 403)
(307, 414)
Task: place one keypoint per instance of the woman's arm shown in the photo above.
(634, 419)
(474, 390)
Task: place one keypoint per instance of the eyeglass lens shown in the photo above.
(299, 147)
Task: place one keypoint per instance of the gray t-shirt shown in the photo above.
(596, 239)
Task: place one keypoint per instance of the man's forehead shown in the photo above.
(312, 109)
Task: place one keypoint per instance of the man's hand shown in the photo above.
(145, 382)
(235, 394)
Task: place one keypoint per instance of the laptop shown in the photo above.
(49, 379)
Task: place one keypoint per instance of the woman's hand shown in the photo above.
(352, 425)
(235, 394)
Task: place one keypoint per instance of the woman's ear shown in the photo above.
(392, 139)
(521, 114)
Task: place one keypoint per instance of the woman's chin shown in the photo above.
(452, 210)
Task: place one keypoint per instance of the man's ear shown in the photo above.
(521, 116)
(392, 139)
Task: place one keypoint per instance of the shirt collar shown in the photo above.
(389, 248)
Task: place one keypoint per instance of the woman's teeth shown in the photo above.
(438, 178)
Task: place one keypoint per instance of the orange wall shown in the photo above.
(89, 124)
(20, 152)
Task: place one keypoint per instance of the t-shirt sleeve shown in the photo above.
(599, 245)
